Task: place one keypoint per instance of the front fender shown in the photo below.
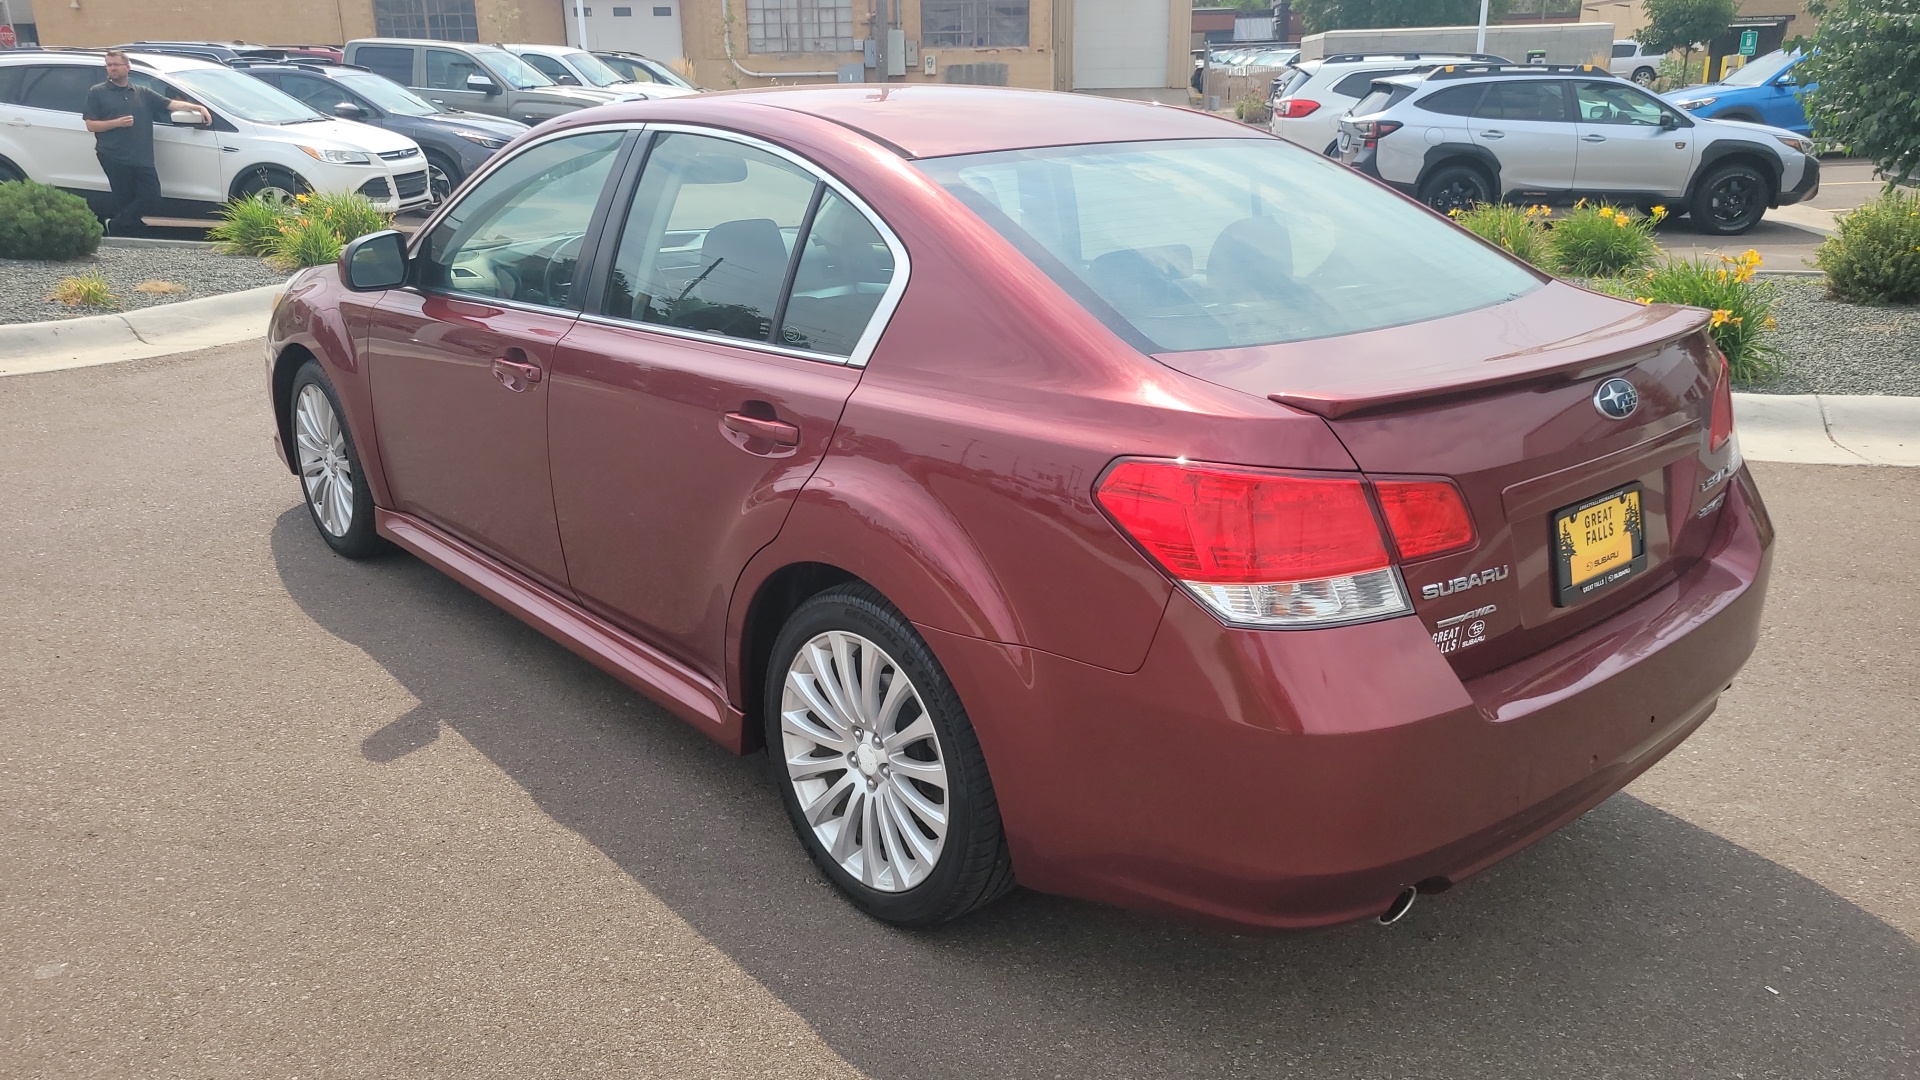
(318, 315)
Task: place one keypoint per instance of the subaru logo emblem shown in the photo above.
(1616, 399)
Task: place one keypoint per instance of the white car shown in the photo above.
(1310, 97)
(569, 66)
(261, 140)
(1631, 60)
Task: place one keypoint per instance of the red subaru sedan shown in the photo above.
(1087, 493)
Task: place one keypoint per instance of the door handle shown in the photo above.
(1493, 134)
(777, 432)
(1593, 138)
(17, 121)
(515, 375)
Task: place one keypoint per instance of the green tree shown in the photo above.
(1680, 24)
(1867, 61)
(1319, 15)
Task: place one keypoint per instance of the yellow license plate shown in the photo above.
(1597, 544)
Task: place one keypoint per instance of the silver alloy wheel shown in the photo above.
(325, 469)
(861, 753)
(274, 193)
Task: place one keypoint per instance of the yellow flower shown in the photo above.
(1643, 299)
(1770, 323)
(1454, 213)
(1659, 211)
(1722, 315)
(1621, 221)
(1581, 205)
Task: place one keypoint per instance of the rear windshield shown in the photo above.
(1226, 243)
(1383, 97)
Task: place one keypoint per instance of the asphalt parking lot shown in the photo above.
(265, 812)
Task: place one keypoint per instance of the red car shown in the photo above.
(1090, 492)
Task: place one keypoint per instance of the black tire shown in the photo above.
(358, 540)
(10, 173)
(973, 866)
(1645, 76)
(1730, 199)
(1456, 187)
(1332, 150)
(267, 178)
(441, 170)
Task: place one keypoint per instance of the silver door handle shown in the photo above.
(1493, 134)
(1593, 138)
(17, 121)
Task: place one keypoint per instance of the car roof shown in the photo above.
(924, 120)
(545, 50)
(148, 60)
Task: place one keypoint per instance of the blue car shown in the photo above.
(1766, 91)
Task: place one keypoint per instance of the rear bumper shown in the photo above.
(1809, 184)
(1298, 779)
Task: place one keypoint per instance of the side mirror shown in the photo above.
(1788, 80)
(375, 261)
(480, 84)
(567, 80)
(347, 110)
(1668, 121)
(188, 118)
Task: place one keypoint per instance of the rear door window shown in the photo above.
(61, 88)
(321, 93)
(394, 62)
(1380, 99)
(551, 68)
(1621, 52)
(10, 76)
(710, 236)
(1524, 99)
(1454, 100)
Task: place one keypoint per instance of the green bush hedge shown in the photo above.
(1875, 257)
(41, 222)
(1742, 322)
(307, 230)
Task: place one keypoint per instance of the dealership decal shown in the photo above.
(1469, 616)
(1460, 636)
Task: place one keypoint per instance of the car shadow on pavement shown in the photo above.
(1630, 944)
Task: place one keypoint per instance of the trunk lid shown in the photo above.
(1502, 402)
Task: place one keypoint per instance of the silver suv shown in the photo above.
(1474, 133)
(474, 78)
(1310, 96)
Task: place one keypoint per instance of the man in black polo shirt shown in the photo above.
(121, 117)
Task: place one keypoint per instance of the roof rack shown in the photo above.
(1348, 58)
(1463, 71)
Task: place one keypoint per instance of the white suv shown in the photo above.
(1310, 96)
(1631, 60)
(261, 140)
(1466, 134)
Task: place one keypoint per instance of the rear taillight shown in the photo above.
(1720, 428)
(1374, 130)
(1294, 108)
(1426, 517)
(1259, 548)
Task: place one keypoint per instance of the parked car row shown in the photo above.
(1455, 131)
(402, 122)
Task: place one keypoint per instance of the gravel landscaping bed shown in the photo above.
(24, 285)
(1829, 347)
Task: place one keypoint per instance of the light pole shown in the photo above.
(1480, 43)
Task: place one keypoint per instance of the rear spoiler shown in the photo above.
(1606, 348)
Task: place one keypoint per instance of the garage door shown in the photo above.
(1119, 44)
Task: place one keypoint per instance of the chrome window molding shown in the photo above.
(862, 348)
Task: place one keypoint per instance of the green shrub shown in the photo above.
(305, 241)
(1520, 231)
(348, 214)
(41, 222)
(1742, 307)
(1595, 241)
(248, 226)
(1875, 257)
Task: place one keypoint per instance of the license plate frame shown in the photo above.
(1575, 549)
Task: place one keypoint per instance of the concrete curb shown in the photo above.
(1829, 429)
(28, 348)
(148, 242)
(1805, 218)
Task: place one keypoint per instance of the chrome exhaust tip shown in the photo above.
(1400, 906)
